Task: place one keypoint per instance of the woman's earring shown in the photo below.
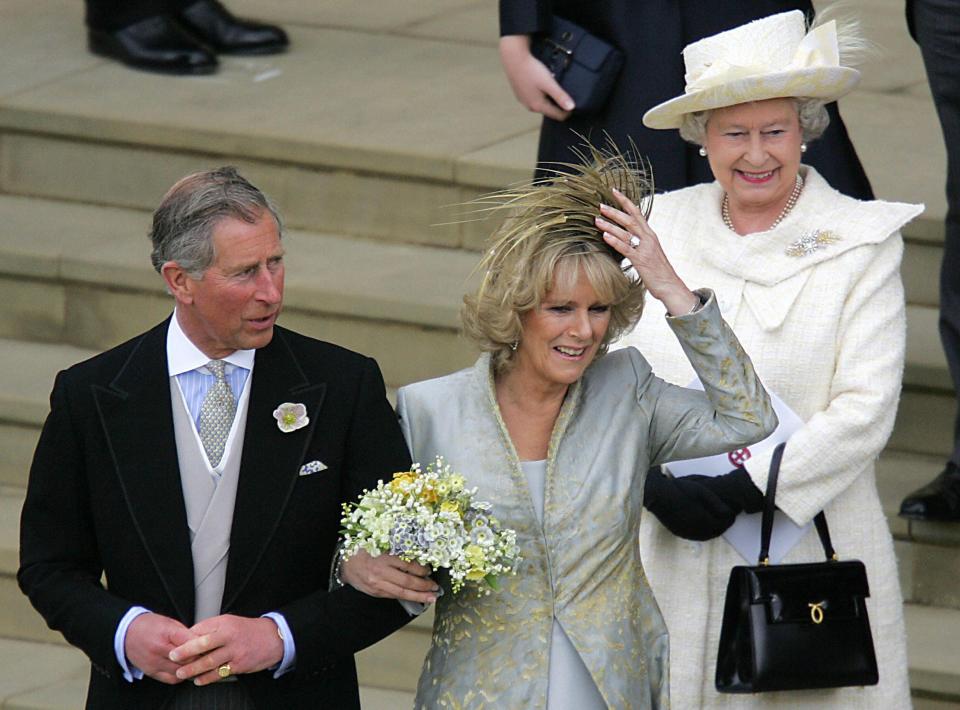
(703, 151)
(803, 147)
(514, 344)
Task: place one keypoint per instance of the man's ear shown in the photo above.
(178, 281)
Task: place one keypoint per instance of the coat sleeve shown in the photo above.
(839, 443)
(327, 626)
(733, 411)
(61, 572)
(523, 17)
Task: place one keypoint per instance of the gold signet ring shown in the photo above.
(224, 670)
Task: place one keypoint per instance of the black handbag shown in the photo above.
(795, 626)
(583, 64)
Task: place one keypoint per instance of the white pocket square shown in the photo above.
(312, 467)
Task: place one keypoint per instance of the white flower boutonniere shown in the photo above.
(291, 416)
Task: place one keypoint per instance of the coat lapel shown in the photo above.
(136, 417)
(271, 459)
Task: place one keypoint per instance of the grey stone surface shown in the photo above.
(26, 667)
(17, 442)
(924, 423)
(41, 41)
(318, 104)
(27, 377)
(932, 649)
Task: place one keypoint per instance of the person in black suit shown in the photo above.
(163, 469)
(935, 25)
(652, 35)
(175, 36)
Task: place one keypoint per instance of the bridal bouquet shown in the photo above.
(430, 517)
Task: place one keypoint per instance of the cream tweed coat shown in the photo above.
(825, 331)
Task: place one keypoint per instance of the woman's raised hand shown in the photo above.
(627, 231)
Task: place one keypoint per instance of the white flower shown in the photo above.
(291, 416)
(421, 514)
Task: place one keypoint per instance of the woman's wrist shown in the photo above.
(682, 303)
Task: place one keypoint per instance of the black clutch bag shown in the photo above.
(795, 626)
(583, 64)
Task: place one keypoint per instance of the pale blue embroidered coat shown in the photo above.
(582, 565)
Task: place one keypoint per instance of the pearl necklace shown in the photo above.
(791, 202)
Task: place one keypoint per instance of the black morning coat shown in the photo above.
(104, 497)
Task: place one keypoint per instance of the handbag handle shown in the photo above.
(769, 506)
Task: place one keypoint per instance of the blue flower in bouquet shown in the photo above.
(432, 518)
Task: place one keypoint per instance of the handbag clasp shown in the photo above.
(560, 56)
(816, 612)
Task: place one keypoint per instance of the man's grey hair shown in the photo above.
(812, 114)
(183, 224)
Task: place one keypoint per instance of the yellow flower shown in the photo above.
(475, 575)
(402, 480)
(428, 495)
(449, 506)
(475, 555)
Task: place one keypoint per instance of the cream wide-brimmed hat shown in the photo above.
(770, 58)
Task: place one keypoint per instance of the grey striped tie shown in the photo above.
(216, 413)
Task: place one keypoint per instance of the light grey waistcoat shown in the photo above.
(209, 503)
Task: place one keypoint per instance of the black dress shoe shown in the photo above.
(938, 500)
(211, 23)
(155, 44)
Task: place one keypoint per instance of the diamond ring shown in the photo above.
(634, 241)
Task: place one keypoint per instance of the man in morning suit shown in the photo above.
(172, 530)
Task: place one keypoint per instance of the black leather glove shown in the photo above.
(700, 507)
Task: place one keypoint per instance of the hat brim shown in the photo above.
(827, 83)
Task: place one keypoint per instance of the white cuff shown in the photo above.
(289, 659)
(130, 671)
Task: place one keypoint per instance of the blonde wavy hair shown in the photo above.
(548, 238)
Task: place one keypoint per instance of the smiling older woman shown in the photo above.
(558, 436)
(809, 279)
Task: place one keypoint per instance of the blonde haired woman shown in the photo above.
(558, 437)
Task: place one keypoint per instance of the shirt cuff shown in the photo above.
(289, 659)
(130, 671)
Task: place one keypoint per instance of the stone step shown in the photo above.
(933, 650)
(81, 274)
(27, 369)
(26, 378)
(40, 676)
(373, 148)
(924, 423)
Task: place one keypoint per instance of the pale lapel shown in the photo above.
(136, 417)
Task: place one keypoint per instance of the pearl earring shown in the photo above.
(514, 344)
(703, 152)
(803, 147)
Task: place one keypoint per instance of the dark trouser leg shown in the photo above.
(110, 15)
(219, 696)
(937, 28)
(937, 24)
